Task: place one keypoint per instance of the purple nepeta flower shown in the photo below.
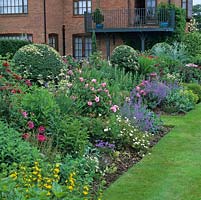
(102, 144)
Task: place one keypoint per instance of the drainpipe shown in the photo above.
(45, 21)
(64, 39)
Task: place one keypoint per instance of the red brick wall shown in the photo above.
(59, 13)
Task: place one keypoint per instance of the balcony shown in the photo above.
(133, 20)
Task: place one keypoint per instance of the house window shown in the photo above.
(184, 4)
(17, 36)
(13, 6)
(81, 6)
(151, 4)
(82, 47)
(53, 40)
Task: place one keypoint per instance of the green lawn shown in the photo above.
(172, 171)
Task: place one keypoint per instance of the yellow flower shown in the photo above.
(48, 194)
(70, 188)
(47, 186)
(56, 170)
(35, 172)
(86, 188)
(57, 165)
(36, 163)
(85, 192)
(14, 175)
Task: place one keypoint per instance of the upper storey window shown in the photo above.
(81, 6)
(13, 6)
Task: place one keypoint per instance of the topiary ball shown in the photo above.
(125, 57)
(38, 61)
(161, 49)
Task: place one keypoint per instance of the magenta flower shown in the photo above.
(30, 124)
(93, 80)
(114, 108)
(28, 82)
(97, 99)
(25, 114)
(103, 84)
(81, 79)
(41, 129)
(41, 138)
(89, 103)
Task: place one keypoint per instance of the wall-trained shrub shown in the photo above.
(125, 56)
(38, 61)
(11, 46)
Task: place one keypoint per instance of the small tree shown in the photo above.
(97, 16)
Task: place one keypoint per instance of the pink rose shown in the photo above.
(137, 88)
(41, 129)
(93, 80)
(41, 138)
(25, 114)
(30, 124)
(97, 99)
(70, 72)
(114, 108)
(89, 103)
(81, 79)
(103, 84)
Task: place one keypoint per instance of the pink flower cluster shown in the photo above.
(40, 130)
(140, 89)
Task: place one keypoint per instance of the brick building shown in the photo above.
(63, 25)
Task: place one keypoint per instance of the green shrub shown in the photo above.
(195, 88)
(9, 46)
(193, 43)
(13, 148)
(41, 109)
(146, 65)
(180, 100)
(38, 61)
(125, 57)
(161, 49)
(72, 137)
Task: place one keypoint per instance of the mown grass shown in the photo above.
(172, 171)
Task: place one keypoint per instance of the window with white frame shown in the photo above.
(17, 36)
(82, 47)
(81, 6)
(13, 6)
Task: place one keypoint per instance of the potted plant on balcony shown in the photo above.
(98, 18)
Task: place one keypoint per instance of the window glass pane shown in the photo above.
(82, 6)
(13, 6)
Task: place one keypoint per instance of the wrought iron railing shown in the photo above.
(128, 19)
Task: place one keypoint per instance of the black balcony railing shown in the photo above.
(133, 20)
